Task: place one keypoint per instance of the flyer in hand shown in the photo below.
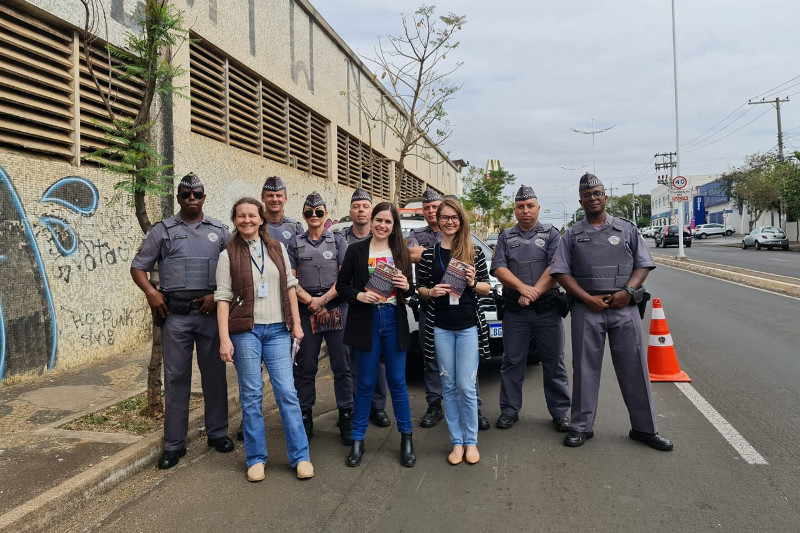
(456, 277)
(380, 282)
(333, 323)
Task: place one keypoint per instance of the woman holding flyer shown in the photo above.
(257, 315)
(375, 280)
(451, 277)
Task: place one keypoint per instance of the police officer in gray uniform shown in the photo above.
(316, 256)
(360, 214)
(186, 247)
(274, 198)
(521, 261)
(601, 262)
(418, 240)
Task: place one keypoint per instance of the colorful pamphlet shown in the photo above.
(333, 323)
(380, 282)
(456, 277)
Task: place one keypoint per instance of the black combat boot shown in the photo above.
(308, 423)
(407, 457)
(346, 426)
(356, 453)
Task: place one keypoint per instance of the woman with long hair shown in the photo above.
(378, 326)
(456, 325)
(258, 316)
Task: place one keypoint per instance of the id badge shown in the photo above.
(453, 299)
(262, 290)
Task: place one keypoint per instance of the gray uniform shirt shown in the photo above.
(562, 261)
(285, 231)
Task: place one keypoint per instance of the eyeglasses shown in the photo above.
(596, 194)
(319, 213)
(197, 194)
(451, 218)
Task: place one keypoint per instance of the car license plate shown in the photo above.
(496, 330)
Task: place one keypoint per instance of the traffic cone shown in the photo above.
(661, 357)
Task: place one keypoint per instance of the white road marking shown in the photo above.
(730, 434)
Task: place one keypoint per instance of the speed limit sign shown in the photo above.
(673, 219)
(679, 182)
(724, 215)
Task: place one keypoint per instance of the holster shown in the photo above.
(182, 307)
(640, 298)
(499, 304)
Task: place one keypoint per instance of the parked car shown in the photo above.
(703, 231)
(668, 236)
(649, 231)
(491, 240)
(768, 236)
(487, 302)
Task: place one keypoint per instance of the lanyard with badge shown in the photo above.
(453, 298)
(262, 285)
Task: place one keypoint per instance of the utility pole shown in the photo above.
(633, 200)
(664, 179)
(777, 102)
(593, 132)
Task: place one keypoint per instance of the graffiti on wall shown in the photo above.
(53, 241)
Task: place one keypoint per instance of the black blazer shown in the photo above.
(353, 277)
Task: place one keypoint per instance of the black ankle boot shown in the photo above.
(407, 457)
(356, 453)
(308, 423)
(346, 426)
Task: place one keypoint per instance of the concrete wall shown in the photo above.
(65, 291)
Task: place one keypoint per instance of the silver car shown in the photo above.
(703, 231)
(768, 236)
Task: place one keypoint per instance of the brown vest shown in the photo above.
(240, 317)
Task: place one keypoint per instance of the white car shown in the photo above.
(649, 231)
(703, 231)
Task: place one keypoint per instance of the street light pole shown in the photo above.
(681, 253)
(593, 132)
(633, 200)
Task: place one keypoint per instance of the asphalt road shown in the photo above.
(738, 345)
(713, 250)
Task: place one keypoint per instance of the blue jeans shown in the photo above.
(272, 344)
(457, 355)
(384, 341)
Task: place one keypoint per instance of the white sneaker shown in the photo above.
(255, 472)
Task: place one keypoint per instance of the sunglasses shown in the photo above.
(596, 194)
(319, 213)
(197, 194)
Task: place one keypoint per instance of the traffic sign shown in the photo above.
(680, 197)
(679, 182)
(724, 215)
(673, 219)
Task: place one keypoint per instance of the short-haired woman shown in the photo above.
(456, 326)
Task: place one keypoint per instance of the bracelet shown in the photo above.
(474, 284)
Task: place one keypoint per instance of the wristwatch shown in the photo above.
(630, 290)
(474, 284)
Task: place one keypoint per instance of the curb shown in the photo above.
(39, 513)
(759, 282)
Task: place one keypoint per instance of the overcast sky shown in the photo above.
(535, 70)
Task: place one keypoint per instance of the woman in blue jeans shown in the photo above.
(455, 325)
(257, 315)
(377, 325)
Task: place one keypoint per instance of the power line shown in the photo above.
(690, 142)
(695, 148)
(776, 88)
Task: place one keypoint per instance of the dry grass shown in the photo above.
(124, 417)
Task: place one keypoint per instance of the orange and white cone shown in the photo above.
(661, 358)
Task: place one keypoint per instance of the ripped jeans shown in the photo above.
(457, 356)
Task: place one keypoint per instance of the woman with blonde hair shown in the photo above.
(455, 325)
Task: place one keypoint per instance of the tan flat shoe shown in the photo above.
(456, 456)
(305, 470)
(255, 472)
(472, 456)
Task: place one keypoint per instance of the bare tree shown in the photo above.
(411, 67)
(147, 58)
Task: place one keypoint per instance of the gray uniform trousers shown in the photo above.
(547, 329)
(628, 353)
(307, 363)
(179, 336)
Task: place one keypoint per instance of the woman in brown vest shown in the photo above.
(258, 316)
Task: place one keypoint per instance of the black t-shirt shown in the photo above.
(451, 317)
